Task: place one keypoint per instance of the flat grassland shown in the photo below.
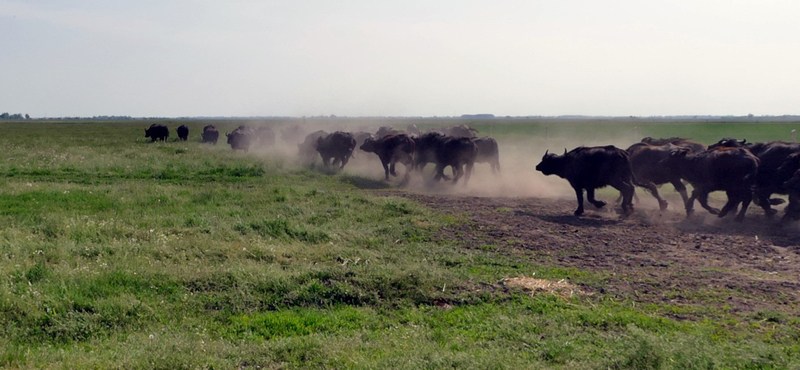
(118, 252)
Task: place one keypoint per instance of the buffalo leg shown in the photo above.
(690, 203)
(579, 195)
(763, 201)
(792, 210)
(681, 189)
(458, 171)
(628, 191)
(468, 173)
(345, 159)
(407, 175)
(702, 197)
(651, 187)
(733, 202)
(746, 198)
(439, 172)
(590, 198)
(385, 169)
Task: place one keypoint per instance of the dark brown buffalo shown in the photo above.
(792, 187)
(459, 131)
(650, 169)
(593, 168)
(768, 181)
(183, 132)
(338, 146)
(732, 170)
(384, 131)
(695, 147)
(265, 135)
(458, 153)
(391, 150)
(307, 150)
(488, 152)
(157, 132)
(425, 149)
(240, 139)
(210, 134)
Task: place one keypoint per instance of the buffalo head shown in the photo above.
(550, 164)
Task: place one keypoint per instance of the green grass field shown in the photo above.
(116, 252)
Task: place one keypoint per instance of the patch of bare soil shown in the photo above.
(653, 256)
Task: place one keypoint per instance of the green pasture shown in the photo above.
(120, 253)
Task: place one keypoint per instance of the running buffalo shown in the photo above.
(732, 170)
(650, 169)
(592, 168)
(391, 150)
(488, 152)
(307, 150)
(435, 147)
(210, 134)
(769, 180)
(240, 139)
(338, 146)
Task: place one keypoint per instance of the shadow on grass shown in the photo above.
(365, 183)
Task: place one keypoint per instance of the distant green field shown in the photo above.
(116, 252)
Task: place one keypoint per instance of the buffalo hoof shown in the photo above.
(713, 211)
(662, 204)
(689, 212)
(578, 212)
(599, 204)
(770, 212)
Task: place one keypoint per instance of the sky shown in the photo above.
(399, 58)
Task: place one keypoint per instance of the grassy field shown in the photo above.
(116, 252)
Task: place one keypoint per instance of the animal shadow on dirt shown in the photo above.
(365, 183)
(766, 229)
(587, 220)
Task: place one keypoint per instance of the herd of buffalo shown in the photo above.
(744, 171)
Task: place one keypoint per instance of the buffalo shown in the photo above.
(391, 150)
(210, 134)
(650, 170)
(183, 132)
(240, 139)
(792, 186)
(732, 170)
(338, 146)
(769, 180)
(695, 147)
(592, 168)
(488, 152)
(384, 131)
(456, 152)
(307, 150)
(425, 147)
(265, 136)
(157, 132)
(459, 131)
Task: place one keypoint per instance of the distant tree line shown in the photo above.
(14, 116)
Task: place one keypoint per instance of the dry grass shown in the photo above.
(559, 288)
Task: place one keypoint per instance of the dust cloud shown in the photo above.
(517, 178)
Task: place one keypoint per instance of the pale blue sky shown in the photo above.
(416, 58)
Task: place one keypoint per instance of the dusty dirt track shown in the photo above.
(653, 256)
